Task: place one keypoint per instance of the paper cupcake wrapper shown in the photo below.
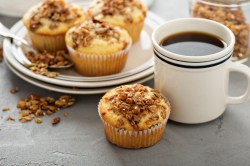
(134, 30)
(133, 139)
(99, 65)
(46, 42)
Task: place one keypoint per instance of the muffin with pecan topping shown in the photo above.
(48, 22)
(129, 14)
(134, 116)
(97, 48)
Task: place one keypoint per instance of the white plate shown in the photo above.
(140, 56)
(69, 90)
(18, 7)
(136, 56)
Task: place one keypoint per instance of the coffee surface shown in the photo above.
(193, 44)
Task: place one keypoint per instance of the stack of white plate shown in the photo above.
(138, 69)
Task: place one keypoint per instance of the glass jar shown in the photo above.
(235, 14)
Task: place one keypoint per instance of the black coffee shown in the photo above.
(193, 44)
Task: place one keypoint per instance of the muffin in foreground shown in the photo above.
(134, 116)
(48, 22)
(129, 14)
(98, 48)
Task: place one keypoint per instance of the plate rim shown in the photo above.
(82, 91)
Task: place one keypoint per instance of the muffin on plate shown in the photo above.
(134, 116)
(98, 48)
(48, 22)
(129, 14)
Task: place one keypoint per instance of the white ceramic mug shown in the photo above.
(197, 86)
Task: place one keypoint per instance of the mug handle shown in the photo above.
(238, 67)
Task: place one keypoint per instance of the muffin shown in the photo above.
(134, 116)
(48, 22)
(128, 14)
(97, 48)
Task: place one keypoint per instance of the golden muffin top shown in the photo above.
(133, 107)
(97, 37)
(53, 17)
(118, 12)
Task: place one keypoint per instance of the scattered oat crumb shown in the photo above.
(55, 120)
(5, 109)
(66, 114)
(38, 120)
(10, 118)
(14, 90)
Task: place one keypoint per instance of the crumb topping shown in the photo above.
(94, 29)
(119, 7)
(56, 11)
(134, 103)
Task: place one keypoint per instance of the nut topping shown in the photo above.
(86, 32)
(56, 11)
(119, 7)
(135, 102)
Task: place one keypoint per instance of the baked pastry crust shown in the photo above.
(53, 17)
(134, 107)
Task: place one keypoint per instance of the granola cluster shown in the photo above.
(119, 7)
(136, 102)
(55, 59)
(35, 106)
(234, 19)
(41, 62)
(55, 10)
(42, 69)
(83, 34)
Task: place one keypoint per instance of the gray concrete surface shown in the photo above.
(79, 139)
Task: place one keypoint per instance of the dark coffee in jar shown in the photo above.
(193, 44)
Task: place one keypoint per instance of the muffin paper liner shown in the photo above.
(134, 30)
(133, 139)
(46, 42)
(99, 65)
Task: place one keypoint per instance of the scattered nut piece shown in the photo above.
(38, 120)
(41, 61)
(6, 109)
(10, 118)
(14, 90)
(55, 59)
(65, 101)
(56, 120)
(35, 106)
(66, 114)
